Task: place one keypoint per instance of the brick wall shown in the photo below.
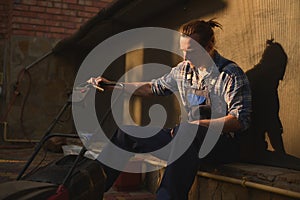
(4, 18)
(51, 18)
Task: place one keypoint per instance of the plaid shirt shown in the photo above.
(227, 81)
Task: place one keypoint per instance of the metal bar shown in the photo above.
(38, 60)
(44, 139)
(245, 183)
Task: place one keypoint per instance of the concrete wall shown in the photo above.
(246, 27)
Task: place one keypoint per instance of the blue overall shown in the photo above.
(179, 175)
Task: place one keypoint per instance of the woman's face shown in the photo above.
(192, 51)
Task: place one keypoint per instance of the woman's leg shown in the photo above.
(133, 145)
(179, 175)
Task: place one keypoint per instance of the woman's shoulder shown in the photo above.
(232, 69)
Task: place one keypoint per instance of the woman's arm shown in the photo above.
(138, 88)
(135, 88)
(230, 122)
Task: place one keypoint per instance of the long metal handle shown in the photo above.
(44, 139)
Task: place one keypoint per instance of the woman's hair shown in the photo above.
(204, 29)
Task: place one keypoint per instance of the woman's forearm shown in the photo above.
(138, 88)
(230, 123)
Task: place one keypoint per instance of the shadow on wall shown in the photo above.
(122, 15)
(264, 79)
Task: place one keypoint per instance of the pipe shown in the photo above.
(245, 183)
(236, 181)
(6, 139)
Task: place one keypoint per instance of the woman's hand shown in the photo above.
(95, 82)
(135, 88)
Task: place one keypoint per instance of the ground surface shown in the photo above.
(12, 161)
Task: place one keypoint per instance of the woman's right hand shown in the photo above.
(96, 81)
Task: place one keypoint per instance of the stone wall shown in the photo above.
(29, 30)
(213, 189)
(43, 89)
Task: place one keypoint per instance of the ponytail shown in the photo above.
(213, 24)
(204, 29)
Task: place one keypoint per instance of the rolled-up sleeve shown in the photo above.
(165, 85)
(237, 95)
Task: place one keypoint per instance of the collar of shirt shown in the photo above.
(219, 60)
